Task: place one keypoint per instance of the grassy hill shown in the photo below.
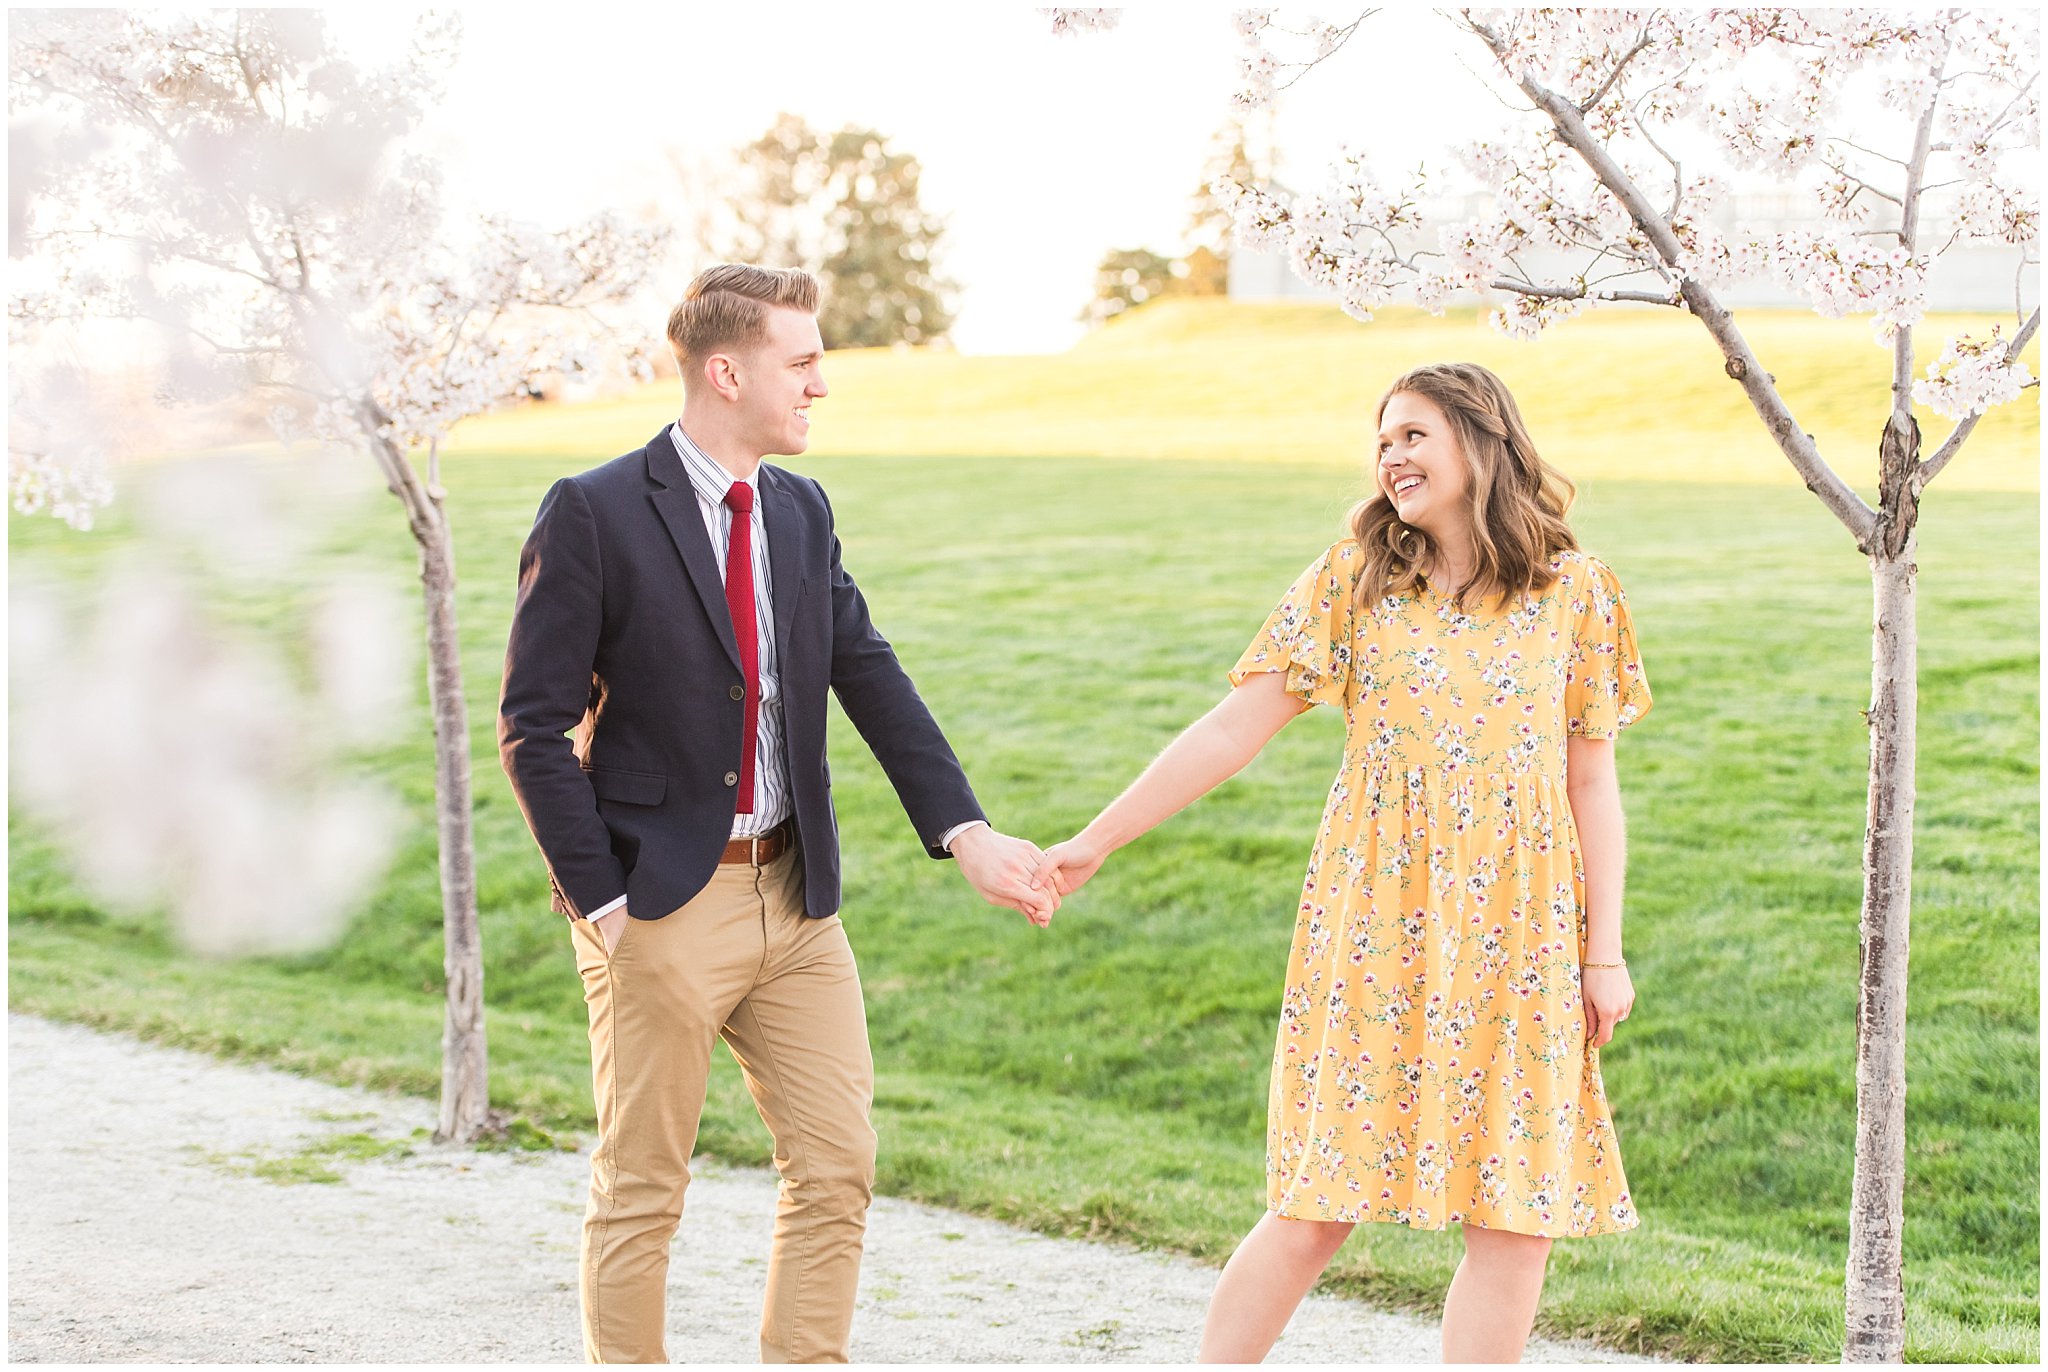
(1066, 609)
(1635, 394)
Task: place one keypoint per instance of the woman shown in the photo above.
(1457, 960)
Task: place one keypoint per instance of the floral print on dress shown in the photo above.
(1431, 1066)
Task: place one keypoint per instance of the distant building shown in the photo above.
(1970, 276)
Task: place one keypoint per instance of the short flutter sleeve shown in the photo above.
(1606, 688)
(1308, 636)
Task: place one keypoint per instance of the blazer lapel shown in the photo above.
(784, 563)
(677, 505)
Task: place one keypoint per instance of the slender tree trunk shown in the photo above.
(465, 1063)
(1875, 1297)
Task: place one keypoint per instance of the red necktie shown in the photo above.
(739, 599)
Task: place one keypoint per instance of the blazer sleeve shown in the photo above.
(880, 700)
(548, 680)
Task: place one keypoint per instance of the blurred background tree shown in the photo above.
(1128, 277)
(844, 207)
(1211, 228)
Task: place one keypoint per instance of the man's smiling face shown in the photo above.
(779, 379)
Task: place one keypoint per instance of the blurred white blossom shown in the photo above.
(73, 489)
(180, 766)
(232, 189)
(62, 431)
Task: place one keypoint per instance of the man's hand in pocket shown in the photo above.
(609, 926)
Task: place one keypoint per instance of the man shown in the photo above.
(683, 610)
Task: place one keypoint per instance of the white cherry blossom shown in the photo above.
(1971, 376)
(1083, 20)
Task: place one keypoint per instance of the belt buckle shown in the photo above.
(754, 850)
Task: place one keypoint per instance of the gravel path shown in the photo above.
(159, 1211)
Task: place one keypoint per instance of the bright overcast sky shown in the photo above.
(1043, 152)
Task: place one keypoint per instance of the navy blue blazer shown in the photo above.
(621, 637)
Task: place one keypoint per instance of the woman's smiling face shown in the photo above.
(1421, 469)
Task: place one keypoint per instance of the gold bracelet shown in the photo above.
(1603, 964)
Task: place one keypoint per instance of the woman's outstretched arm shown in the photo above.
(1595, 796)
(1214, 749)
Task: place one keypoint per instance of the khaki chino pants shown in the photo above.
(740, 962)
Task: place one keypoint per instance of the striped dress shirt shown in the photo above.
(771, 770)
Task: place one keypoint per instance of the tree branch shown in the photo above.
(1909, 239)
(1317, 61)
(1870, 152)
(1393, 248)
(1861, 185)
(1898, 451)
(420, 511)
(1998, 120)
(1677, 171)
(1931, 468)
(1742, 363)
(1619, 67)
(1580, 292)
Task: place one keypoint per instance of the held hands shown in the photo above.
(1016, 873)
(1007, 871)
(1072, 863)
(1609, 996)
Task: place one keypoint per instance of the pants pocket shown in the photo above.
(625, 932)
(588, 940)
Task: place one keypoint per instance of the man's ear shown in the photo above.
(721, 373)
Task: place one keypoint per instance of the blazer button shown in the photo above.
(738, 693)
(732, 778)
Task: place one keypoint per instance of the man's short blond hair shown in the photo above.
(727, 306)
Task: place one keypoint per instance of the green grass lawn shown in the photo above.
(1065, 617)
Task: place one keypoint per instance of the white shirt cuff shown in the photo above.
(606, 908)
(946, 840)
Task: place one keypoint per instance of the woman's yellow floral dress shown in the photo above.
(1432, 1064)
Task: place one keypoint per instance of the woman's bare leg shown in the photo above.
(1262, 1283)
(1492, 1301)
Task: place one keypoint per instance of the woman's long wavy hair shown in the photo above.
(1518, 501)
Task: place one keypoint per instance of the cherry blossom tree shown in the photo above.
(239, 186)
(1909, 134)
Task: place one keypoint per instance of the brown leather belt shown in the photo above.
(759, 852)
